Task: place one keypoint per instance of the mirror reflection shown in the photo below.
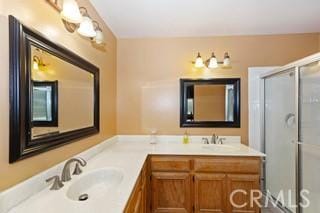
(210, 102)
(62, 95)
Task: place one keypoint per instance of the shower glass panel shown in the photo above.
(280, 131)
(310, 133)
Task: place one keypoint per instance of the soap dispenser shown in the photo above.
(153, 137)
(186, 139)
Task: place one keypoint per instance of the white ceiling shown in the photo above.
(180, 18)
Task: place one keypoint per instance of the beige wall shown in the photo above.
(149, 71)
(43, 18)
(319, 41)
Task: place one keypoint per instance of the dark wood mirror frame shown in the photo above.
(184, 83)
(21, 145)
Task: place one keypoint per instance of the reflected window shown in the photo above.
(45, 103)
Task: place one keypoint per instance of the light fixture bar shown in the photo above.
(77, 18)
(212, 62)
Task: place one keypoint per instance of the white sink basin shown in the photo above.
(218, 147)
(96, 183)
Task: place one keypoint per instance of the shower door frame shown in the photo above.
(297, 142)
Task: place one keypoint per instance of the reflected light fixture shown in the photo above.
(199, 62)
(36, 60)
(70, 12)
(38, 63)
(212, 62)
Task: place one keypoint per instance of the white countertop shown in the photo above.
(128, 156)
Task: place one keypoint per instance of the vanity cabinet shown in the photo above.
(171, 184)
(203, 184)
(171, 192)
(138, 202)
(196, 184)
(246, 183)
(210, 193)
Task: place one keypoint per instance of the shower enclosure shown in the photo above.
(291, 124)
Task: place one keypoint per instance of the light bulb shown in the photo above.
(99, 39)
(213, 63)
(226, 60)
(199, 62)
(35, 65)
(70, 12)
(86, 28)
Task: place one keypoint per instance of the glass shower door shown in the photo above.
(309, 134)
(280, 131)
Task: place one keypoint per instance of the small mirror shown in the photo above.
(210, 103)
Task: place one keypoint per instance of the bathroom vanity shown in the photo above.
(170, 183)
(128, 174)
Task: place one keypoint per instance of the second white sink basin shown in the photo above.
(218, 147)
(96, 183)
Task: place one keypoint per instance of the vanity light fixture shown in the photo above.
(70, 12)
(199, 62)
(86, 27)
(99, 38)
(77, 18)
(212, 62)
(226, 60)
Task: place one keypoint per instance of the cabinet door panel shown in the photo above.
(171, 192)
(210, 193)
(240, 186)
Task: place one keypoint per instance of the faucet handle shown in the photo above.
(205, 140)
(77, 170)
(57, 183)
(221, 140)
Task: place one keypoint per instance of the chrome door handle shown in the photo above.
(290, 120)
(305, 144)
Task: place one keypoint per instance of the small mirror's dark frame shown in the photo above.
(184, 83)
(55, 104)
(20, 40)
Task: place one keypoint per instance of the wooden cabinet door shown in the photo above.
(171, 192)
(144, 195)
(135, 204)
(242, 199)
(210, 193)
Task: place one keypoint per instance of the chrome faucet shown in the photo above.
(214, 139)
(66, 176)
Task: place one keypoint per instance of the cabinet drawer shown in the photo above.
(227, 165)
(170, 163)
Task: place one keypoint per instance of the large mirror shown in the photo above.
(210, 103)
(54, 94)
